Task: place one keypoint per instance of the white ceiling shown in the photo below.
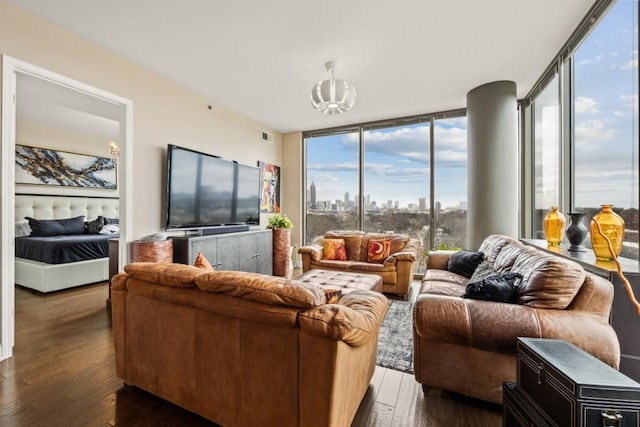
(261, 58)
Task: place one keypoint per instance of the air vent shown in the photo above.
(267, 137)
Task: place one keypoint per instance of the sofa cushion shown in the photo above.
(465, 262)
(378, 250)
(507, 256)
(174, 275)
(499, 287)
(352, 241)
(261, 288)
(548, 281)
(492, 245)
(334, 249)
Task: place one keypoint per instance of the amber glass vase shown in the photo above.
(612, 226)
(554, 223)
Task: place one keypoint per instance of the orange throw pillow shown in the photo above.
(334, 249)
(332, 296)
(378, 250)
(202, 262)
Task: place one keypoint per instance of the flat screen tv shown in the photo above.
(204, 190)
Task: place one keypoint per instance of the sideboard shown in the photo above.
(624, 317)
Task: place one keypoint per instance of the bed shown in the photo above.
(74, 258)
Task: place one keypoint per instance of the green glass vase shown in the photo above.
(612, 226)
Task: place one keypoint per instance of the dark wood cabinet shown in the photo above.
(558, 384)
(624, 317)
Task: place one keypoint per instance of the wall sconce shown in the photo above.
(114, 150)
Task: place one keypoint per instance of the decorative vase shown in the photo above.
(576, 232)
(612, 226)
(281, 251)
(554, 223)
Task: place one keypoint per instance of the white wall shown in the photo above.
(163, 111)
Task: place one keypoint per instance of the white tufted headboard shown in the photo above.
(59, 207)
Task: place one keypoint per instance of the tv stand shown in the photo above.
(241, 251)
(224, 229)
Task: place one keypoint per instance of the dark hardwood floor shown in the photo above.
(62, 374)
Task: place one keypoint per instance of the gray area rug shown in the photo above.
(395, 342)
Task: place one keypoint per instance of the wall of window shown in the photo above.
(406, 176)
(585, 151)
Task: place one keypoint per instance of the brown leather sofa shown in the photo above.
(243, 349)
(468, 346)
(396, 270)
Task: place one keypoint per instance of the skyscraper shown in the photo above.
(422, 203)
(312, 191)
(346, 198)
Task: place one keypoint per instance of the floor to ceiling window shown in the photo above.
(605, 109)
(547, 153)
(594, 120)
(412, 173)
(332, 182)
(450, 183)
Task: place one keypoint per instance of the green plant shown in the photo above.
(279, 221)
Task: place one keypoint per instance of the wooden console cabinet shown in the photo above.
(244, 251)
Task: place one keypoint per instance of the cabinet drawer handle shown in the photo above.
(540, 373)
(611, 418)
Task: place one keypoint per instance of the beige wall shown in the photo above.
(291, 188)
(163, 112)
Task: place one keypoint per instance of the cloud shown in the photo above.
(591, 131)
(593, 60)
(629, 65)
(334, 167)
(323, 178)
(585, 105)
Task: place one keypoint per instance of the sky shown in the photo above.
(606, 134)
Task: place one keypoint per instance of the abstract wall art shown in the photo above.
(53, 167)
(270, 194)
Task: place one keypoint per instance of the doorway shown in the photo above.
(92, 102)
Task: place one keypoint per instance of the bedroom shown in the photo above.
(61, 134)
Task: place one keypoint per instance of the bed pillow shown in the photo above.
(95, 226)
(56, 227)
(22, 229)
(111, 220)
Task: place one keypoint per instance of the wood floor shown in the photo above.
(62, 374)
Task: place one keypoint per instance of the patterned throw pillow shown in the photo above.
(202, 262)
(378, 250)
(333, 249)
(332, 295)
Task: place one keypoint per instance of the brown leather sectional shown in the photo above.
(244, 349)
(396, 270)
(469, 346)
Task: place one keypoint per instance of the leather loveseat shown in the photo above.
(469, 346)
(396, 269)
(244, 349)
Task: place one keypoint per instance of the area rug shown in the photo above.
(395, 342)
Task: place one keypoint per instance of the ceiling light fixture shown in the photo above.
(333, 96)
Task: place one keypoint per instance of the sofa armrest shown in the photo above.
(486, 325)
(355, 319)
(439, 260)
(392, 259)
(314, 251)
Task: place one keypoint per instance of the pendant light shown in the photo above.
(333, 96)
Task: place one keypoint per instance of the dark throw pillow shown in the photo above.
(56, 227)
(501, 288)
(94, 227)
(465, 262)
(111, 221)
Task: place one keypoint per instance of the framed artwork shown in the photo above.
(53, 167)
(270, 192)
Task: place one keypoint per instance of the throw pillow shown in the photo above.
(332, 296)
(111, 220)
(500, 287)
(465, 262)
(203, 263)
(379, 250)
(94, 227)
(484, 270)
(22, 229)
(56, 227)
(334, 249)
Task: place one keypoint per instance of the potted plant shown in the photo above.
(281, 228)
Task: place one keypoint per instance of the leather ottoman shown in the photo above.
(345, 281)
